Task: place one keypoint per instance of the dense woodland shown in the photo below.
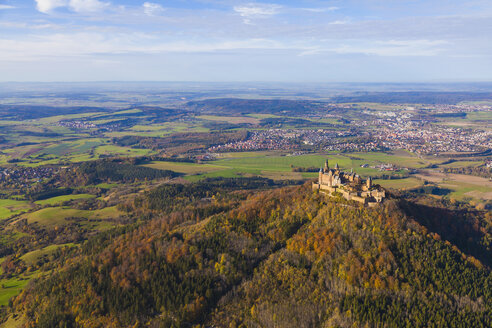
(95, 172)
(224, 253)
(228, 106)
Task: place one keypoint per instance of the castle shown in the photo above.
(350, 185)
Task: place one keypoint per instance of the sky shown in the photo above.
(239, 41)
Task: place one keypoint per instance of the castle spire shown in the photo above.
(326, 166)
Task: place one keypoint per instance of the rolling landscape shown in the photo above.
(178, 213)
(245, 164)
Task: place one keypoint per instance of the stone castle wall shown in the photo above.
(331, 181)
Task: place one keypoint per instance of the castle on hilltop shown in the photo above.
(350, 185)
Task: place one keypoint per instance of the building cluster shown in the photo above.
(431, 138)
(409, 129)
(355, 146)
(350, 185)
(282, 139)
(77, 124)
(272, 139)
(86, 125)
(25, 175)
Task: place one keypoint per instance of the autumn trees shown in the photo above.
(215, 255)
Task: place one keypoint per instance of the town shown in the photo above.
(381, 131)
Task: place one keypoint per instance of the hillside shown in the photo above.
(283, 257)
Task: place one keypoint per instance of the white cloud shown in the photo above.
(395, 48)
(86, 6)
(79, 6)
(320, 10)
(254, 11)
(152, 9)
(47, 6)
(64, 45)
(6, 7)
(339, 22)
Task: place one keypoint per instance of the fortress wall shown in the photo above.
(359, 199)
(330, 183)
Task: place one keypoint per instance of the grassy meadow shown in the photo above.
(10, 207)
(58, 215)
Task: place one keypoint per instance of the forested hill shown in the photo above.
(285, 257)
(230, 106)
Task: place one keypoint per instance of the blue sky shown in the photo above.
(228, 40)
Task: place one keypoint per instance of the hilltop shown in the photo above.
(230, 253)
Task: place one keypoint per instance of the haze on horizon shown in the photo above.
(232, 40)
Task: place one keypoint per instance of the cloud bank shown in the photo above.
(152, 9)
(79, 6)
(253, 11)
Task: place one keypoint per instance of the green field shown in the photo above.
(479, 116)
(278, 165)
(64, 198)
(462, 187)
(55, 216)
(11, 287)
(121, 151)
(462, 164)
(230, 119)
(31, 257)
(462, 191)
(78, 146)
(106, 185)
(9, 207)
(161, 129)
(186, 168)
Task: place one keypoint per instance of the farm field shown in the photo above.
(458, 164)
(279, 165)
(64, 198)
(55, 216)
(186, 168)
(268, 163)
(121, 151)
(9, 207)
(461, 186)
(230, 119)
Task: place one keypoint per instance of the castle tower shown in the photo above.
(337, 168)
(320, 175)
(326, 166)
(369, 183)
